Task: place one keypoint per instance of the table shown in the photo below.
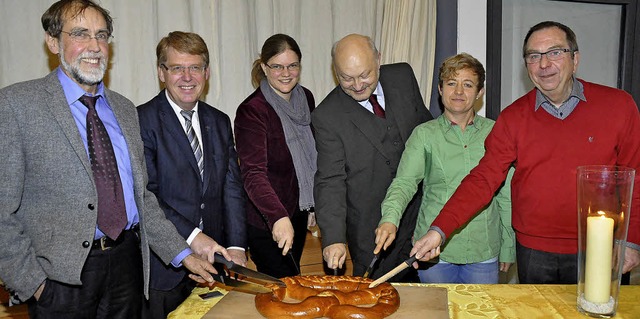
(478, 301)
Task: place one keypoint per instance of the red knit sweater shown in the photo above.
(604, 130)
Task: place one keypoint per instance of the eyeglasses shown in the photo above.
(180, 69)
(552, 55)
(279, 67)
(84, 37)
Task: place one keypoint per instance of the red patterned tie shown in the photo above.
(112, 216)
(377, 109)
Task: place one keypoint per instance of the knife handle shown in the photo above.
(405, 264)
(367, 273)
(411, 260)
(218, 277)
(221, 260)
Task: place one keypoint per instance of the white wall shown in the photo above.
(472, 33)
(591, 21)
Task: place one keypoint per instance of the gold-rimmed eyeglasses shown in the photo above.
(181, 69)
(279, 67)
(84, 37)
(552, 55)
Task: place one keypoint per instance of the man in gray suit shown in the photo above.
(360, 131)
(56, 250)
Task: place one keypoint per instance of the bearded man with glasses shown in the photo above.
(563, 123)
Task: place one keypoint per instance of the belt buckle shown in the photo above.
(103, 241)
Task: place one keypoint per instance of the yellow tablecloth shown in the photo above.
(479, 301)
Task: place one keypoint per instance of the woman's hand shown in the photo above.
(283, 234)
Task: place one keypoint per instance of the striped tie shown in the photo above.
(193, 140)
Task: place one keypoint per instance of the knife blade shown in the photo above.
(246, 274)
(367, 273)
(241, 286)
(293, 260)
(404, 265)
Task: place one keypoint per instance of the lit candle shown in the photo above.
(597, 279)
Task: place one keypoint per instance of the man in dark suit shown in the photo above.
(70, 148)
(192, 165)
(360, 130)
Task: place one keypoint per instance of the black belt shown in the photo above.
(106, 243)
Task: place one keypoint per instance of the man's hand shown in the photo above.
(631, 259)
(205, 247)
(283, 234)
(427, 247)
(39, 291)
(504, 267)
(311, 220)
(385, 235)
(238, 256)
(200, 269)
(335, 255)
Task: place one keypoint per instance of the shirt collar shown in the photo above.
(379, 94)
(177, 109)
(447, 125)
(378, 91)
(577, 90)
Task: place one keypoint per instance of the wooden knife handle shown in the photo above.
(388, 275)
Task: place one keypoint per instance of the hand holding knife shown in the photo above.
(245, 274)
(385, 235)
(335, 255)
(423, 244)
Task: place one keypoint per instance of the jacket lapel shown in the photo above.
(208, 144)
(363, 121)
(172, 125)
(393, 97)
(59, 107)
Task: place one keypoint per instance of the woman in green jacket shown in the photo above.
(440, 153)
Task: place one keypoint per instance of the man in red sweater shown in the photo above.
(546, 134)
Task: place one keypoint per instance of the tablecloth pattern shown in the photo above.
(477, 301)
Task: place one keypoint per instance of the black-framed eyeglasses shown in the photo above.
(552, 55)
(84, 37)
(180, 69)
(279, 67)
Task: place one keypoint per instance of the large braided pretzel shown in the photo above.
(334, 297)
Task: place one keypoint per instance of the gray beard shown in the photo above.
(84, 78)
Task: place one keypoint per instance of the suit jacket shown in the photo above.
(47, 197)
(355, 166)
(267, 167)
(175, 179)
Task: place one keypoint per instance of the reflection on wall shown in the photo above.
(597, 28)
